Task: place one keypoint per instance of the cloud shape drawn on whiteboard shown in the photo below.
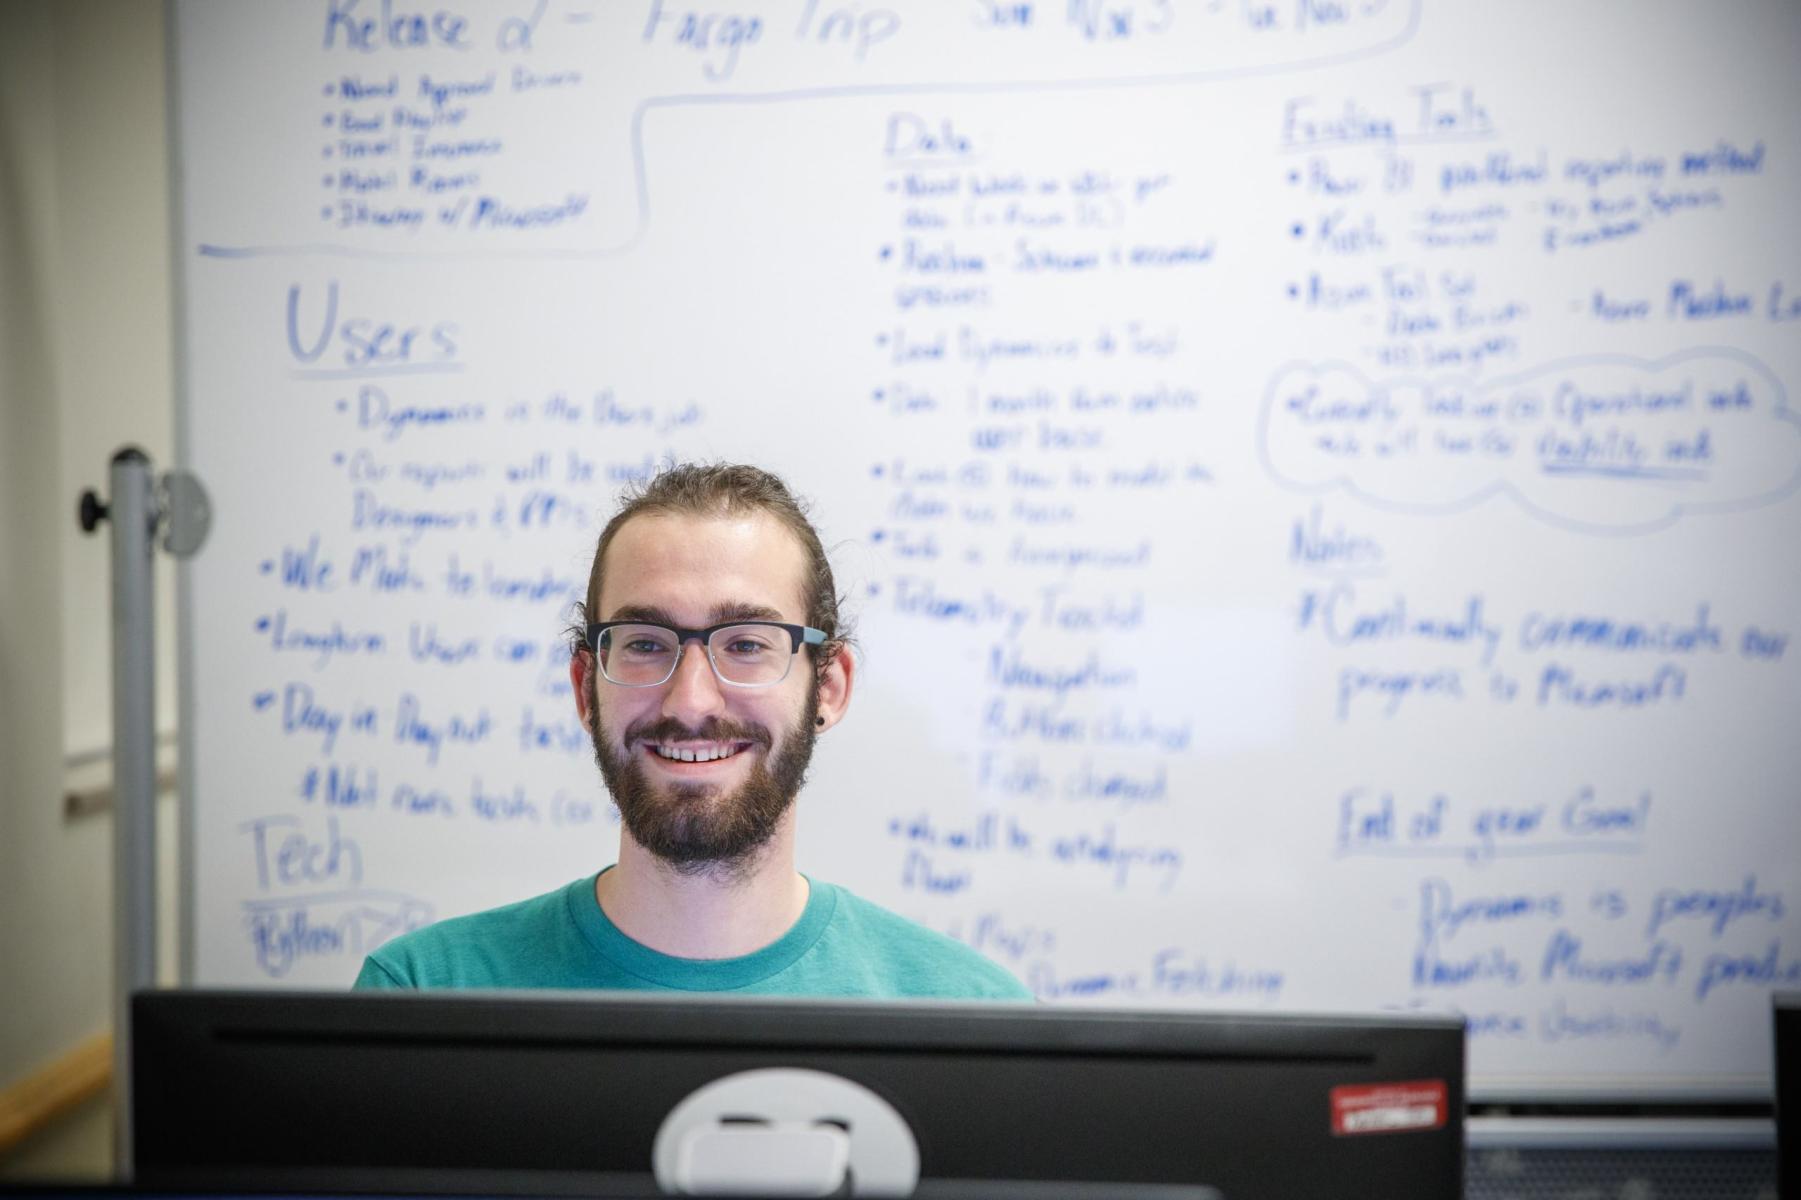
(1605, 444)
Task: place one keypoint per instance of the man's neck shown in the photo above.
(710, 915)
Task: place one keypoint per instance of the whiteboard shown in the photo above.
(1317, 480)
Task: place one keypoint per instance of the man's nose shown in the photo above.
(694, 690)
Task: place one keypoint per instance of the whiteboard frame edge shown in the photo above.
(1619, 1133)
(1617, 1091)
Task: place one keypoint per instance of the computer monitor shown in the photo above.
(1787, 1006)
(564, 1093)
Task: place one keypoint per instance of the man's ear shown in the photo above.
(581, 682)
(835, 687)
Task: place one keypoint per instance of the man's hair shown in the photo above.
(725, 490)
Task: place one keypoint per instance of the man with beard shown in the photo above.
(709, 658)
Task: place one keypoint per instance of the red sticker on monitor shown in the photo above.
(1389, 1107)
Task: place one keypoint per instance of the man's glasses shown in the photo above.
(743, 654)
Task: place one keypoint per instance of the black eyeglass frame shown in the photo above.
(798, 635)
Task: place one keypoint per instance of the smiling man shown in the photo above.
(709, 659)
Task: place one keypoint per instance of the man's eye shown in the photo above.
(745, 647)
(644, 646)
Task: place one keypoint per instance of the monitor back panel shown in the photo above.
(546, 1095)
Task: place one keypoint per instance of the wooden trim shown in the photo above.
(92, 801)
(55, 1088)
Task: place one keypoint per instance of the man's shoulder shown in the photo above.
(515, 945)
(906, 959)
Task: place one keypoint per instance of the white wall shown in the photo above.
(84, 369)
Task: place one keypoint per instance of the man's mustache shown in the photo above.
(713, 729)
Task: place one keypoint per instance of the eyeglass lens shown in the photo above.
(640, 655)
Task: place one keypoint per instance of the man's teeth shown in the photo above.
(694, 754)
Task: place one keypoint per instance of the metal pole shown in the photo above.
(134, 519)
(139, 506)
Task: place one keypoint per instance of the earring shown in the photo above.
(819, 721)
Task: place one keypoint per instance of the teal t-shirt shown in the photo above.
(841, 946)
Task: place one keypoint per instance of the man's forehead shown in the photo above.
(739, 565)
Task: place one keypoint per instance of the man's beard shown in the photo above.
(692, 827)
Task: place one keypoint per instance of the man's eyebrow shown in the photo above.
(729, 610)
(641, 612)
(743, 612)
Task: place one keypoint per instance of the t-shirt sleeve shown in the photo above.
(985, 979)
(375, 976)
(896, 958)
